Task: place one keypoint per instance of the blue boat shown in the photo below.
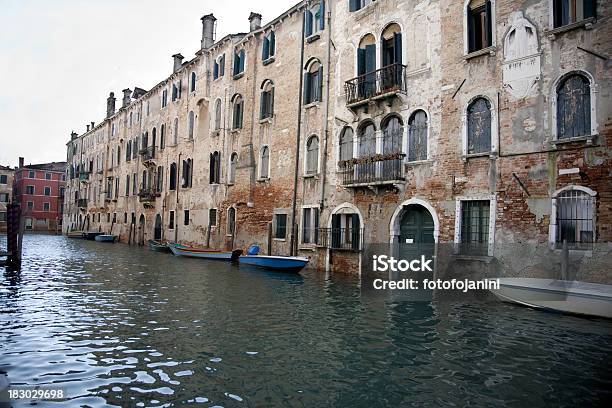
(290, 264)
(183, 250)
(106, 238)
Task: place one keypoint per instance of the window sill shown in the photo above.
(419, 162)
(364, 11)
(279, 239)
(312, 105)
(308, 247)
(263, 179)
(235, 131)
(238, 76)
(588, 139)
(587, 24)
(229, 184)
(313, 37)
(485, 51)
(268, 61)
(311, 176)
(490, 155)
(265, 120)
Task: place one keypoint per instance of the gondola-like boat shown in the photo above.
(106, 238)
(158, 246)
(288, 264)
(183, 250)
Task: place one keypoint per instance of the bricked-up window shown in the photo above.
(312, 155)
(212, 217)
(186, 218)
(238, 111)
(191, 125)
(355, 5)
(314, 19)
(172, 176)
(171, 220)
(269, 46)
(417, 136)
(231, 178)
(475, 227)
(572, 11)
(192, 83)
(239, 60)
(215, 168)
(218, 114)
(310, 225)
(573, 107)
(313, 83)
(479, 126)
(346, 144)
(264, 163)
(187, 173)
(280, 226)
(266, 101)
(575, 220)
(219, 67)
(231, 221)
(479, 25)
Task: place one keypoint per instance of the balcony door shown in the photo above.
(366, 67)
(366, 169)
(391, 165)
(391, 48)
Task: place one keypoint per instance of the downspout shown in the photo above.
(326, 123)
(178, 186)
(297, 144)
(253, 113)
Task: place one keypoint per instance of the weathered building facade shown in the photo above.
(482, 124)
(7, 175)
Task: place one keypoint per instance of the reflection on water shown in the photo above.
(114, 325)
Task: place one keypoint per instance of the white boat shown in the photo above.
(592, 299)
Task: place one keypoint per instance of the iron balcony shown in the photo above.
(383, 82)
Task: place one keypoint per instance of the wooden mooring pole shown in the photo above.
(15, 227)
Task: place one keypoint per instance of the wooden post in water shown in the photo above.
(14, 235)
(269, 238)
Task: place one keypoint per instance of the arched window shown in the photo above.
(218, 114)
(232, 168)
(239, 60)
(573, 107)
(575, 220)
(479, 23)
(162, 137)
(346, 144)
(187, 173)
(264, 170)
(313, 82)
(391, 45)
(269, 46)
(314, 19)
(479, 126)
(355, 5)
(160, 178)
(144, 183)
(231, 220)
(266, 103)
(145, 140)
(173, 176)
(176, 130)
(128, 152)
(191, 124)
(238, 111)
(366, 66)
(118, 155)
(192, 84)
(392, 135)
(154, 135)
(312, 155)
(417, 136)
(219, 67)
(215, 168)
(367, 140)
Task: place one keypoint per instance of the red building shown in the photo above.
(39, 188)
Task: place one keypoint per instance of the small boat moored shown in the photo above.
(183, 250)
(76, 234)
(91, 236)
(158, 246)
(106, 238)
(575, 297)
(290, 264)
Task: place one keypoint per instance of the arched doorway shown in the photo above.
(416, 225)
(141, 229)
(157, 232)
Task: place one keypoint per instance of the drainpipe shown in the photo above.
(178, 186)
(297, 144)
(252, 160)
(326, 123)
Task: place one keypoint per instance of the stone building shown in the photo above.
(7, 175)
(481, 124)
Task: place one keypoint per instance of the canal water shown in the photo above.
(114, 325)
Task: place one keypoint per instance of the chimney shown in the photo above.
(255, 20)
(110, 105)
(126, 97)
(73, 135)
(208, 31)
(21, 162)
(178, 61)
(92, 125)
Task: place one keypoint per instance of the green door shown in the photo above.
(416, 232)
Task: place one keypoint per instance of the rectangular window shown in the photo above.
(4, 197)
(3, 179)
(171, 220)
(127, 185)
(30, 205)
(310, 225)
(212, 217)
(186, 221)
(575, 220)
(345, 232)
(30, 190)
(280, 226)
(47, 176)
(2, 216)
(47, 207)
(31, 174)
(475, 227)
(479, 25)
(164, 98)
(567, 12)
(47, 191)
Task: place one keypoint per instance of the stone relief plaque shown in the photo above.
(521, 67)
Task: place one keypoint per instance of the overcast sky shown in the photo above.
(59, 59)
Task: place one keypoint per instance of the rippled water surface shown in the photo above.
(114, 325)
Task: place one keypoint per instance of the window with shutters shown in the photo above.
(134, 184)
(366, 66)
(573, 113)
(192, 83)
(239, 63)
(231, 221)
(346, 144)
(479, 126)
(313, 82)
(355, 5)
(264, 161)
(160, 179)
(266, 103)
(219, 67)
(187, 173)
(237, 112)
(280, 226)
(176, 91)
(566, 12)
(215, 168)
(312, 155)
(172, 176)
(310, 225)
(269, 47)
(314, 20)
(231, 178)
(191, 125)
(128, 151)
(162, 137)
(218, 114)
(127, 185)
(479, 14)
(164, 101)
(417, 136)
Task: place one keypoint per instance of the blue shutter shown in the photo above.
(489, 24)
(322, 15)
(216, 70)
(307, 23)
(354, 5)
(397, 39)
(306, 88)
(272, 43)
(266, 49)
(320, 84)
(222, 67)
(361, 64)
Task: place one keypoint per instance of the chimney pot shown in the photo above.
(88, 128)
(208, 31)
(20, 162)
(178, 61)
(110, 105)
(127, 92)
(255, 21)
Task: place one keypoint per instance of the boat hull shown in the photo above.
(158, 246)
(91, 236)
(182, 250)
(573, 297)
(106, 238)
(290, 264)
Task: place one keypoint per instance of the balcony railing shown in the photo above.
(147, 153)
(148, 194)
(388, 80)
(82, 203)
(346, 239)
